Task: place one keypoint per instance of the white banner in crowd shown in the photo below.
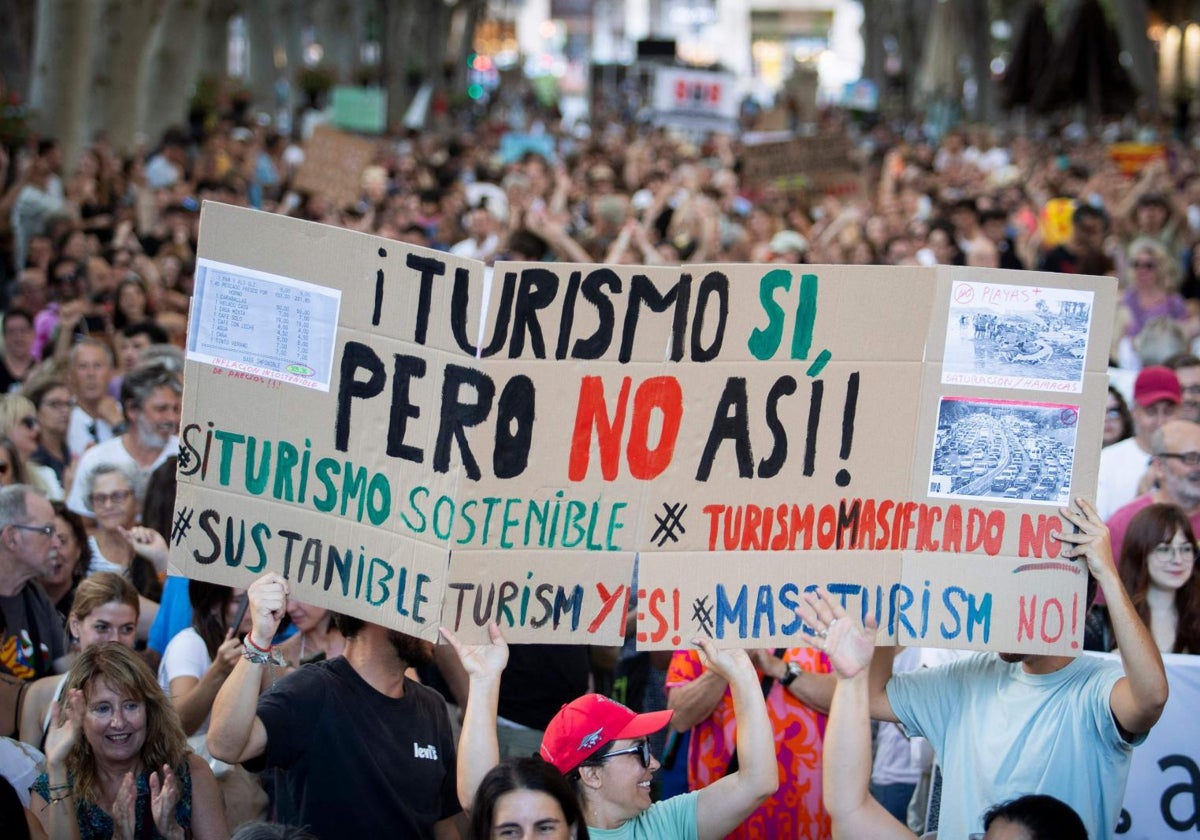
(703, 100)
(1163, 796)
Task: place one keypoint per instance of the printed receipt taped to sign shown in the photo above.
(263, 324)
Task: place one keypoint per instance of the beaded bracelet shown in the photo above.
(257, 656)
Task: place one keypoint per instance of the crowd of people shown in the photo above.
(152, 706)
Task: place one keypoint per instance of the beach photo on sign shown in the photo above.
(1017, 336)
(1010, 451)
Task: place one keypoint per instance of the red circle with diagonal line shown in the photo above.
(964, 293)
(1069, 416)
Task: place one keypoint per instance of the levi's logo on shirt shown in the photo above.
(429, 752)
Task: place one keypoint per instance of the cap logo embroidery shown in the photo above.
(591, 740)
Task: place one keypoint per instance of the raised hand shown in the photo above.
(268, 600)
(480, 660)
(148, 543)
(67, 721)
(164, 796)
(1090, 540)
(848, 644)
(228, 653)
(724, 663)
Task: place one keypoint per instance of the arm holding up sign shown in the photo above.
(846, 766)
(478, 747)
(236, 733)
(1138, 698)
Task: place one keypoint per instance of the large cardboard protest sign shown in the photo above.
(700, 100)
(460, 454)
(822, 163)
(333, 165)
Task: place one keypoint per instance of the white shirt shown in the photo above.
(1122, 466)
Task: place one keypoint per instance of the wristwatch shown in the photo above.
(792, 671)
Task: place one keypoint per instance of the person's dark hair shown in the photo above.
(1126, 416)
(527, 243)
(15, 313)
(1150, 526)
(210, 604)
(36, 393)
(1044, 817)
(1087, 211)
(79, 532)
(992, 214)
(159, 508)
(271, 831)
(348, 625)
(150, 329)
(513, 774)
(46, 145)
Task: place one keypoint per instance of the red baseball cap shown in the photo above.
(584, 725)
(1156, 383)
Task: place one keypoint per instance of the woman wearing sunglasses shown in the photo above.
(1152, 281)
(601, 748)
(19, 426)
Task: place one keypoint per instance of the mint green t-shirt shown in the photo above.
(674, 818)
(1000, 733)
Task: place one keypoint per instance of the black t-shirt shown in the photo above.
(358, 763)
(539, 679)
(1060, 259)
(28, 623)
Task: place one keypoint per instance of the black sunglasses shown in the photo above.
(641, 749)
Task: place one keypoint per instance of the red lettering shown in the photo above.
(826, 525)
(1052, 602)
(1025, 619)
(952, 531)
(609, 600)
(1033, 541)
(714, 518)
(750, 528)
(660, 393)
(592, 412)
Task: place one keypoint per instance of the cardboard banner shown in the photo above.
(909, 431)
(823, 164)
(701, 100)
(1162, 798)
(333, 165)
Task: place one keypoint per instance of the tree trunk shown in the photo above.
(16, 45)
(402, 69)
(169, 66)
(874, 55)
(214, 40)
(261, 35)
(471, 10)
(338, 29)
(981, 58)
(1130, 19)
(120, 31)
(58, 90)
(294, 19)
(434, 31)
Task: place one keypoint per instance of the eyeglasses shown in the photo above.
(116, 497)
(1144, 264)
(44, 530)
(29, 422)
(1189, 459)
(641, 749)
(1163, 552)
